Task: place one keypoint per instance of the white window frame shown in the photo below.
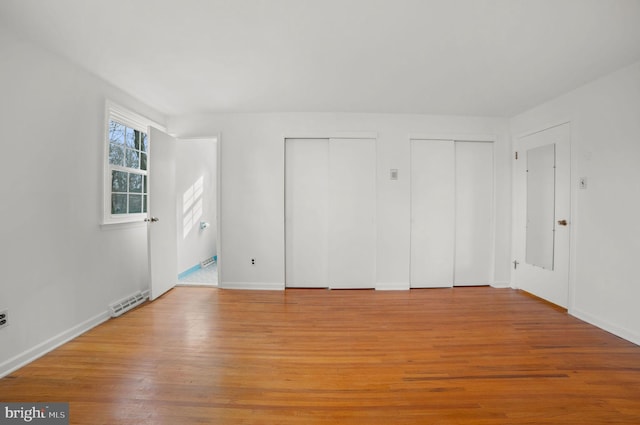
(115, 112)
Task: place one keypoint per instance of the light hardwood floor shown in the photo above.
(434, 356)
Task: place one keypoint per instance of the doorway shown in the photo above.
(197, 193)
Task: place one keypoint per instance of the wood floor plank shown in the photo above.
(473, 355)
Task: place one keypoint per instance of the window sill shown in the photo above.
(125, 222)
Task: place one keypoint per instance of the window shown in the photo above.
(128, 150)
(126, 165)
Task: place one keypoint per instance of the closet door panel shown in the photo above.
(352, 213)
(432, 213)
(474, 212)
(306, 212)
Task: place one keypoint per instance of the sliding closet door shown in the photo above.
(352, 213)
(330, 206)
(306, 212)
(432, 213)
(474, 212)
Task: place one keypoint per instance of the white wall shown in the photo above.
(196, 193)
(605, 137)
(59, 268)
(252, 186)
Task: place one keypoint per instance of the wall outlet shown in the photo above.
(4, 318)
(253, 261)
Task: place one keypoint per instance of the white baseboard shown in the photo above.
(204, 285)
(260, 286)
(501, 285)
(620, 331)
(392, 286)
(43, 348)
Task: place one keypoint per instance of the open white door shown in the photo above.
(541, 228)
(162, 221)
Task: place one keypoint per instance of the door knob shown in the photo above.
(152, 219)
(562, 222)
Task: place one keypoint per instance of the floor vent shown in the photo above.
(122, 306)
(207, 262)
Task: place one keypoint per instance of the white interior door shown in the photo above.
(163, 229)
(306, 212)
(352, 213)
(541, 214)
(474, 214)
(432, 213)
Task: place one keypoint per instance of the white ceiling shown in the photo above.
(463, 57)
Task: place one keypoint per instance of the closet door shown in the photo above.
(474, 212)
(306, 212)
(432, 213)
(352, 213)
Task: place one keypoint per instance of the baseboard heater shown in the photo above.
(120, 307)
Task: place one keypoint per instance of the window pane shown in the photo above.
(118, 204)
(145, 143)
(118, 181)
(133, 159)
(135, 183)
(137, 139)
(143, 161)
(144, 203)
(130, 137)
(116, 154)
(135, 204)
(145, 184)
(116, 132)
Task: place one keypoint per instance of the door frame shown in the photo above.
(481, 138)
(218, 138)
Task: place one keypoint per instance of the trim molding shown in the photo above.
(199, 285)
(43, 348)
(338, 135)
(260, 286)
(546, 126)
(454, 137)
(622, 332)
(133, 119)
(501, 284)
(392, 286)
